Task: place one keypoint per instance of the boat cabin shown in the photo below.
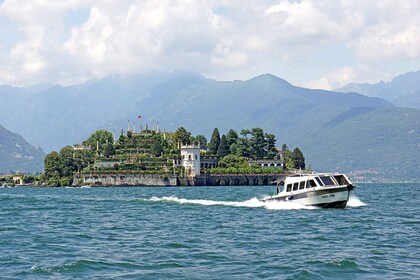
(312, 181)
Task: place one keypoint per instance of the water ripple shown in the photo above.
(211, 233)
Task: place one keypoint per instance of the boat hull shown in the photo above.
(325, 198)
(335, 204)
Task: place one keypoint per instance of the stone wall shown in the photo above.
(237, 179)
(98, 179)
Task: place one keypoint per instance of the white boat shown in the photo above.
(328, 190)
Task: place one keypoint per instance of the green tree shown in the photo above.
(214, 142)
(109, 150)
(52, 165)
(245, 132)
(233, 149)
(233, 161)
(287, 157)
(298, 159)
(289, 163)
(66, 181)
(183, 136)
(99, 138)
(122, 139)
(257, 143)
(67, 163)
(271, 151)
(243, 148)
(157, 149)
(232, 137)
(83, 158)
(202, 140)
(223, 149)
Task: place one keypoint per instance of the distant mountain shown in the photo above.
(402, 91)
(370, 144)
(18, 155)
(365, 136)
(52, 116)
(265, 101)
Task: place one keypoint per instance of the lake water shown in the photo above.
(206, 233)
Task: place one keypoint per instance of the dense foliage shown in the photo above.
(253, 144)
(59, 168)
(152, 152)
(293, 160)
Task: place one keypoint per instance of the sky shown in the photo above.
(317, 44)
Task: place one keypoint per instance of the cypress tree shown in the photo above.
(298, 159)
(223, 149)
(214, 141)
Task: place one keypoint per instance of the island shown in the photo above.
(151, 157)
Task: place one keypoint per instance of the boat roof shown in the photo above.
(306, 176)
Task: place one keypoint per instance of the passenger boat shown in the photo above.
(327, 190)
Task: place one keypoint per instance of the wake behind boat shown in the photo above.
(328, 190)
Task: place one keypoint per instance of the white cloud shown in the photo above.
(334, 79)
(213, 37)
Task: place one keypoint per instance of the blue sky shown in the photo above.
(318, 44)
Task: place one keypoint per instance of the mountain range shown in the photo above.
(368, 137)
(18, 155)
(402, 91)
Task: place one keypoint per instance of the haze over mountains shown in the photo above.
(18, 155)
(402, 91)
(366, 136)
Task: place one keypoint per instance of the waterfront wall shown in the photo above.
(98, 179)
(102, 179)
(237, 179)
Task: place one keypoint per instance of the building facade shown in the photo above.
(190, 159)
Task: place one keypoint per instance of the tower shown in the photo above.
(190, 159)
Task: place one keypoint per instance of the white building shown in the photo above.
(190, 159)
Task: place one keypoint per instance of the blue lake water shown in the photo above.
(211, 233)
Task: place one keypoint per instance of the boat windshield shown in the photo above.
(327, 180)
(311, 184)
(319, 181)
(341, 180)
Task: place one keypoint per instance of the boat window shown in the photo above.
(289, 187)
(319, 181)
(302, 185)
(311, 184)
(295, 186)
(280, 188)
(341, 180)
(327, 180)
